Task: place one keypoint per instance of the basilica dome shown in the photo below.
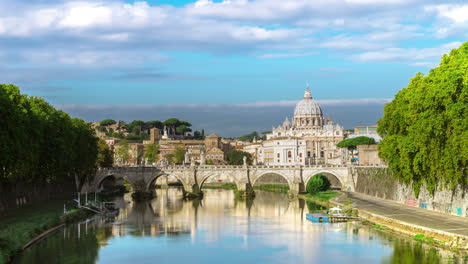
(308, 106)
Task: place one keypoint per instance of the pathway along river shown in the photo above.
(221, 229)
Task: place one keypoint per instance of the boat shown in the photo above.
(317, 218)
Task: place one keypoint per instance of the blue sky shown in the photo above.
(85, 54)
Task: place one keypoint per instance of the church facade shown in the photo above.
(308, 139)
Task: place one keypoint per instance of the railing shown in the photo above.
(218, 167)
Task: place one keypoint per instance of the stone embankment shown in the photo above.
(450, 231)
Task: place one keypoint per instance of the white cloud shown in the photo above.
(452, 20)
(456, 13)
(286, 55)
(405, 55)
(425, 64)
(101, 31)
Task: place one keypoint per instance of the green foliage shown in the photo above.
(40, 144)
(249, 137)
(318, 183)
(104, 158)
(236, 157)
(351, 143)
(198, 135)
(324, 195)
(179, 155)
(107, 122)
(224, 186)
(122, 150)
(424, 239)
(151, 152)
(272, 188)
(425, 127)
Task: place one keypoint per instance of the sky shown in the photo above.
(231, 66)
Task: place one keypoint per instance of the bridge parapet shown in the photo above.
(193, 177)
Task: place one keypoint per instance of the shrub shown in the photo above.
(318, 183)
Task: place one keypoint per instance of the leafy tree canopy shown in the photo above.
(318, 183)
(249, 137)
(41, 144)
(351, 143)
(151, 152)
(107, 122)
(104, 158)
(236, 157)
(425, 127)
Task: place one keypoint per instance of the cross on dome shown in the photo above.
(307, 93)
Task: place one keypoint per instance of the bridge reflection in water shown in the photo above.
(220, 228)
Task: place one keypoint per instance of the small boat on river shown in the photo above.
(320, 218)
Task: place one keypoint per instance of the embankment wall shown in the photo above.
(379, 182)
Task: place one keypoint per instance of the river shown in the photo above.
(271, 228)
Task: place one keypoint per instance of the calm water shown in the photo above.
(220, 229)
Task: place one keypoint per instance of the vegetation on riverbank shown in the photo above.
(272, 188)
(425, 127)
(21, 225)
(224, 186)
(322, 196)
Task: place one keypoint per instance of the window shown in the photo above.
(322, 154)
(289, 154)
(278, 155)
(300, 155)
(308, 154)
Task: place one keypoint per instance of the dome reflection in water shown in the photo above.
(271, 228)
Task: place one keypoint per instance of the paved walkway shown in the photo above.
(413, 215)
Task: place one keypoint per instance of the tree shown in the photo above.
(179, 155)
(104, 158)
(151, 152)
(122, 151)
(107, 122)
(425, 127)
(318, 183)
(351, 143)
(40, 144)
(172, 123)
(155, 123)
(236, 157)
(249, 137)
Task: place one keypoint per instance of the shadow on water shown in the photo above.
(221, 228)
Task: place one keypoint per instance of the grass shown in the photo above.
(224, 186)
(20, 225)
(376, 226)
(323, 196)
(272, 188)
(425, 239)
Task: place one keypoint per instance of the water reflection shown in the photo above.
(271, 228)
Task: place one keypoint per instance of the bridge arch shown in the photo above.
(256, 178)
(151, 182)
(336, 180)
(229, 177)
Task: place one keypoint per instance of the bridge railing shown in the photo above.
(219, 167)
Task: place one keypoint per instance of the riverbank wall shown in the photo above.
(379, 182)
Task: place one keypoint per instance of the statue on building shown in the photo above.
(165, 136)
(192, 162)
(202, 157)
(244, 161)
(186, 158)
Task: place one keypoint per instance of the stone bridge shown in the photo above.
(192, 178)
